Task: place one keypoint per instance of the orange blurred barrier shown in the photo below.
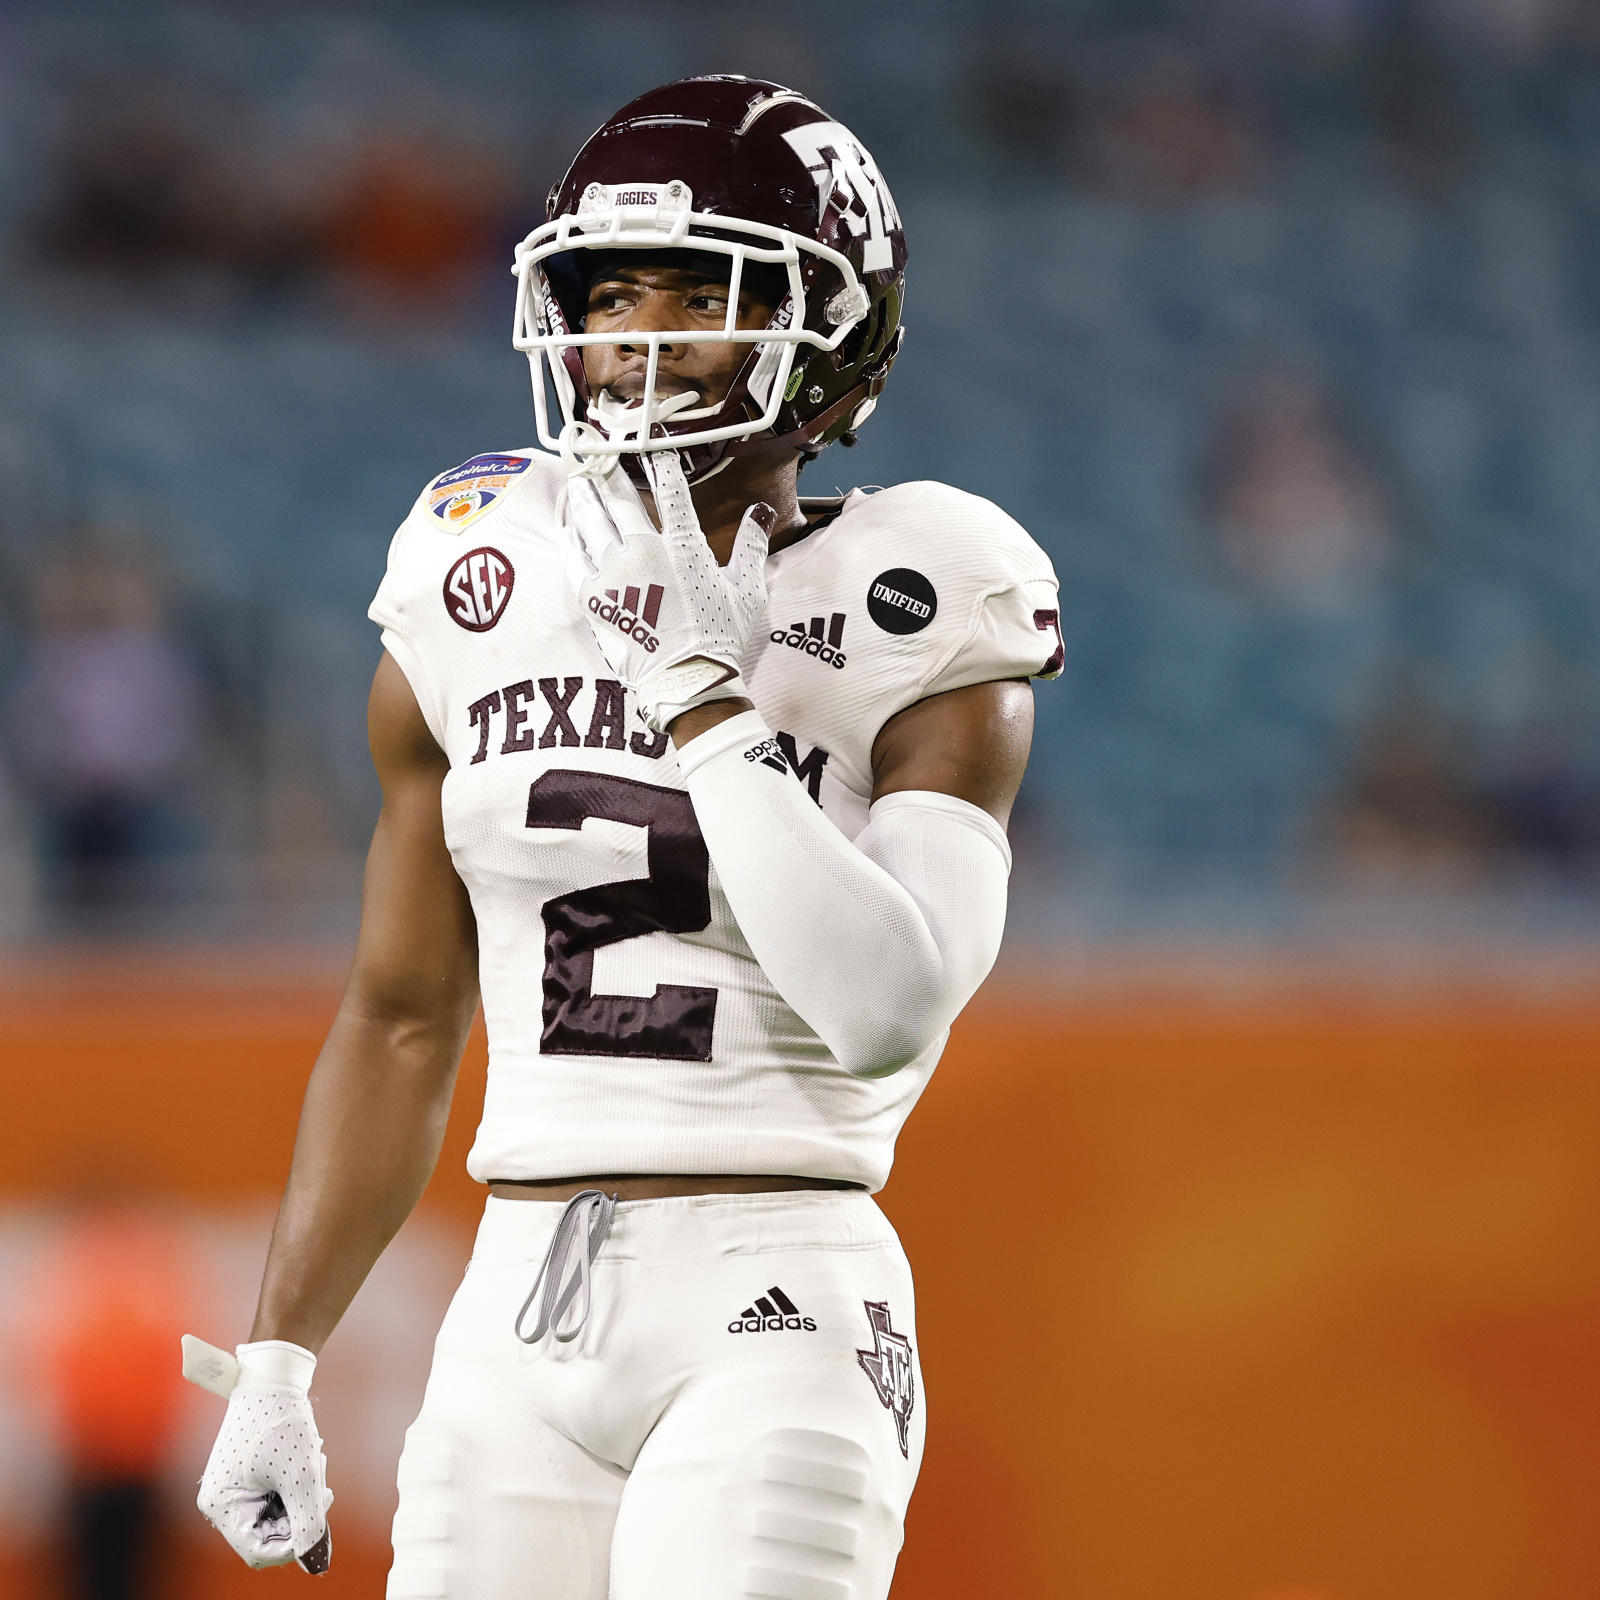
(1292, 1297)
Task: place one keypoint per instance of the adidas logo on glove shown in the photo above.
(773, 1312)
(627, 615)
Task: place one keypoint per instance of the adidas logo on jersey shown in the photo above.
(773, 1312)
(809, 639)
(627, 615)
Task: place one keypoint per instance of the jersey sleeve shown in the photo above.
(394, 608)
(1003, 593)
(1017, 635)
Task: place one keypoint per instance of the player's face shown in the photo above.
(653, 298)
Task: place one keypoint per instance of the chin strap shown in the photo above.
(805, 438)
(579, 456)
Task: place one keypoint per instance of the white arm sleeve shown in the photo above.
(877, 945)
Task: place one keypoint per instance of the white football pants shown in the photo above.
(740, 1416)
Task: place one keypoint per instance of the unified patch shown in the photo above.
(902, 600)
(464, 493)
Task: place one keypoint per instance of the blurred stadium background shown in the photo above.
(1278, 323)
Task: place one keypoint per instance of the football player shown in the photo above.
(702, 787)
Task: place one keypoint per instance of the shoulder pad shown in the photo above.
(965, 537)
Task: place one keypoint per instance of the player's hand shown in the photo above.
(670, 621)
(265, 1486)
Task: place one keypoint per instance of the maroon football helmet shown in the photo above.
(755, 172)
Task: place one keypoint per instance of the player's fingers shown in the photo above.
(674, 504)
(319, 1557)
(624, 510)
(579, 564)
(590, 517)
(255, 1525)
(310, 1527)
(747, 564)
(308, 1516)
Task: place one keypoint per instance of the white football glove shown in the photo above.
(265, 1488)
(671, 622)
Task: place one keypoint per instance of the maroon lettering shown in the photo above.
(558, 704)
(651, 748)
(809, 771)
(607, 725)
(516, 740)
(478, 714)
(1044, 620)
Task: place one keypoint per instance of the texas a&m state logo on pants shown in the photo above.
(888, 1364)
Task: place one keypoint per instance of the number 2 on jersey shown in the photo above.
(675, 1023)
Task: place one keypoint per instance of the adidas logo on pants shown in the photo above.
(773, 1312)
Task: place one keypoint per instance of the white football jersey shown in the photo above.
(630, 1027)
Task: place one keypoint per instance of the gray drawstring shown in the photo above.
(587, 1214)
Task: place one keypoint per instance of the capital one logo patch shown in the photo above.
(464, 493)
(478, 589)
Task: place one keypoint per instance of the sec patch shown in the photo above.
(477, 589)
(464, 493)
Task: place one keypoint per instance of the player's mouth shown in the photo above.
(628, 390)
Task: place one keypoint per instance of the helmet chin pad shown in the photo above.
(591, 447)
(611, 431)
(619, 420)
